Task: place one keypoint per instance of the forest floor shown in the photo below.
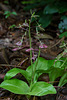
(14, 48)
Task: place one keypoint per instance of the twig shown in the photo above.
(9, 65)
(56, 43)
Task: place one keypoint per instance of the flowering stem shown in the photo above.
(30, 43)
(30, 52)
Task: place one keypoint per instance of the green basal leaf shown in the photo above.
(15, 86)
(40, 72)
(63, 80)
(55, 73)
(42, 65)
(41, 89)
(11, 73)
(44, 71)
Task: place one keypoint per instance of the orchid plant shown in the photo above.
(33, 87)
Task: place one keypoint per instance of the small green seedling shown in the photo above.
(12, 26)
(8, 13)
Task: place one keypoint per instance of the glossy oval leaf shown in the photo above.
(55, 73)
(15, 86)
(11, 73)
(42, 64)
(41, 89)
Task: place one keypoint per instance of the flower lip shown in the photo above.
(43, 46)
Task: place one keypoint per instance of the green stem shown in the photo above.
(30, 43)
(30, 51)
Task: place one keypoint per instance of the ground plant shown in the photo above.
(8, 13)
(54, 68)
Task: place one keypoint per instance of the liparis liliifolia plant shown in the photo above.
(32, 73)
